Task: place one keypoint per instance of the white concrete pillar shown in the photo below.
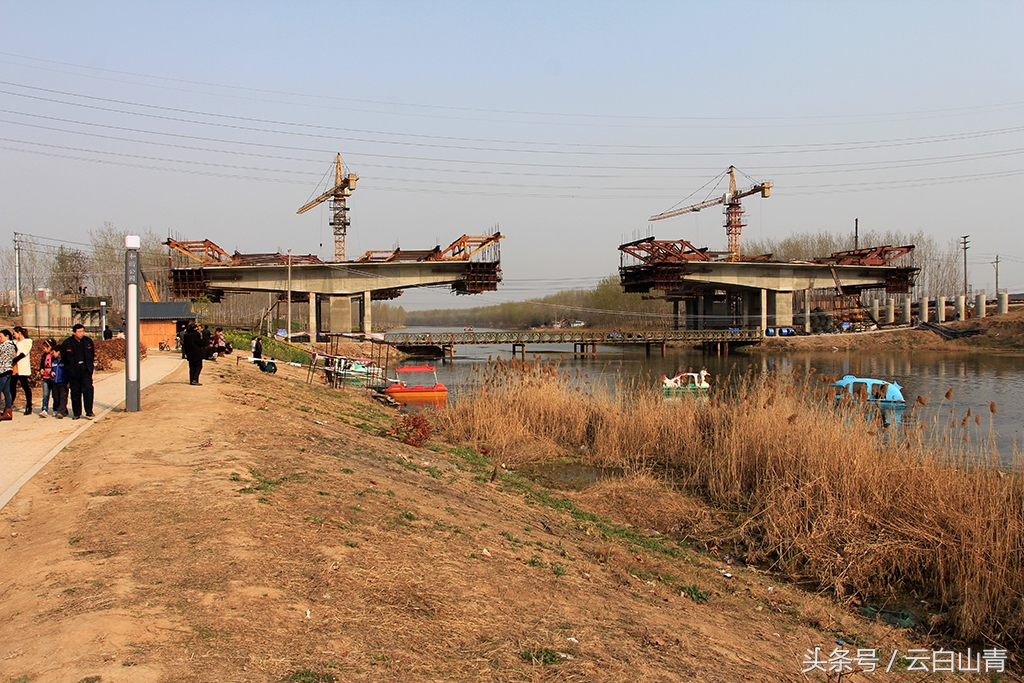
(807, 311)
(980, 302)
(341, 314)
(55, 321)
(784, 309)
(367, 328)
(890, 310)
(312, 318)
(906, 310)
(764, 310)
(961, 307)
(940, 309)
(1004, 303)
(874, 309)
(923, 308)
(42, 316)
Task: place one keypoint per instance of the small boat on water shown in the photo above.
(345, 370)
(418, 384)
(685, 384)
(875, 391)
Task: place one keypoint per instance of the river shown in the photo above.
(976, 378)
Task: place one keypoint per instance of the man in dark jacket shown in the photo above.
(192, 346)
(79, 358)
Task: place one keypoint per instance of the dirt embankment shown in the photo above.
(259, 529)
(1002, 334)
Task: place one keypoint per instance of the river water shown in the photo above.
(976, 379)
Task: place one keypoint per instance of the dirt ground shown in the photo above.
(259, 529)
(1003, 334)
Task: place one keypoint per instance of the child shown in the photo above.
(54, 384)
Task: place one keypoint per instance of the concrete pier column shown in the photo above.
(341, 314)
(807, 311)
(700, 312)
(940, 309)
(1003, 307)
(764, 310)
(367, 327)
(890, 310)
(961, 307)
(922, 306)
(784, 309)
(906, 310)
(42, 316)
(312, 318)
(980, 302)
(55, 321)
(874, 309)
(675, 314)
(744, 309)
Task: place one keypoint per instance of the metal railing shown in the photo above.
(569, 337)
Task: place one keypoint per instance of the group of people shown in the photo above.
(197, 345)
(65, 370)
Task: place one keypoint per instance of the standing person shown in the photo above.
(192, 345)
(257, 352)
(7, 353)
(58, 383)
(79, 357)
(22, 367)
(45, 377)
(107, 333)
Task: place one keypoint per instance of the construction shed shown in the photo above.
(161, 321)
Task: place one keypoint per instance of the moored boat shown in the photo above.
(872, 390)
(418, 384)
(685, 384)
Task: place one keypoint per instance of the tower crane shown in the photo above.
(343, 187)
(733, 210)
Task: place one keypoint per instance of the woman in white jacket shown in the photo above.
(23, 367)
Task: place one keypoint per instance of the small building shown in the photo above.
(161, 321)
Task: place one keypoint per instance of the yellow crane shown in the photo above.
(733, 210)
(154, 297)
(343, 186)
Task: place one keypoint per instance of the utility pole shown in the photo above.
(856, 233)
(17, 272)
(996, 264)
(288, 325)
(965, 245)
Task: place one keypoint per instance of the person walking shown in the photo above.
(22, 367)
(8, 351)
(195, 351)
(79, 356)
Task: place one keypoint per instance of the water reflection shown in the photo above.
(976, 379)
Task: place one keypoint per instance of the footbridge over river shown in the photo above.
(584, 342)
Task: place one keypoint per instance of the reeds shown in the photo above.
(831, 494)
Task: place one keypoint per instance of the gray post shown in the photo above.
(17, 273)
(940, 309)
(288, 308)
(132, 278)
(103, 316)
(764, 310)
(980, 302)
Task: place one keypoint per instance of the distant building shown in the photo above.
(161, 321)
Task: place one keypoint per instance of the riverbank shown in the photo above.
(261, 529)
(1002, 334)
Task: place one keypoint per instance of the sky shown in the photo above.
(564, 125)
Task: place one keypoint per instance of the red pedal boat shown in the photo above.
(418, 384)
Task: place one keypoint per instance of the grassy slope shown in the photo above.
(261, 530)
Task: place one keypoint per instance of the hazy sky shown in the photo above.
(566, 124)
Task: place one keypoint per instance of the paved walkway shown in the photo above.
(29, 442)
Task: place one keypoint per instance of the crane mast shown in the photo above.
(343, 187)
(733, 210)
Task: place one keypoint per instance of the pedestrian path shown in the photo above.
(29, 442)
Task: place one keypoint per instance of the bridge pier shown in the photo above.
(341, 314)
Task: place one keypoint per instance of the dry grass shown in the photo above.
(823, 493)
